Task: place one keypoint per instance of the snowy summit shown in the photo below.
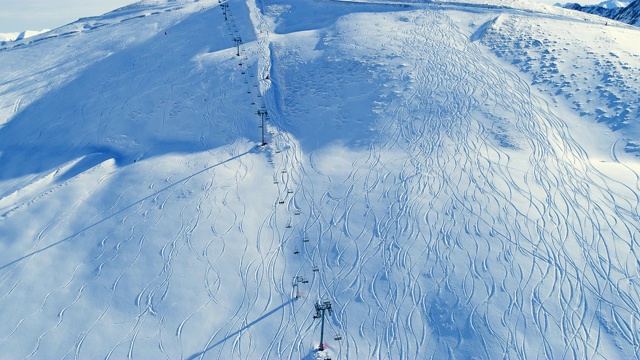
(613, 4)
(6, 37)
(321, 179)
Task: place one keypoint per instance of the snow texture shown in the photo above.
(459, 180)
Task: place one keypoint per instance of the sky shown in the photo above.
(21, 15)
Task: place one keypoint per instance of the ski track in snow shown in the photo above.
(444, 235)
(479, 263)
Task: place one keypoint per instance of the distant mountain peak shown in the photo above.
(630, 14)
(613, 9)
(613, 4)
(13, 36)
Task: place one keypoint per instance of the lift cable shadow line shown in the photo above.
(121, 211)
(273, 311)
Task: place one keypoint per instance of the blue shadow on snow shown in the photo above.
(230, 336)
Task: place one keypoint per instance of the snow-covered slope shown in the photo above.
(598, 80)
(456, 179)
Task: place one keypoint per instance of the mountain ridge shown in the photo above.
(14, 36)
(629, 14)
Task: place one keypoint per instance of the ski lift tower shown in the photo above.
(297, 280)
(238, 41)
(263, 115)
(321, 307)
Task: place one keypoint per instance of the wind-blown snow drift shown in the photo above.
(435, 170)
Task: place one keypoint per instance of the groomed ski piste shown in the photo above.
(458, 180)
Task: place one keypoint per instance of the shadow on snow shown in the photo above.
(151, 196)
(141, 101)
(230, 336)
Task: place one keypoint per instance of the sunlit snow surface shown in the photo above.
(6, 37)
(462, 177)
